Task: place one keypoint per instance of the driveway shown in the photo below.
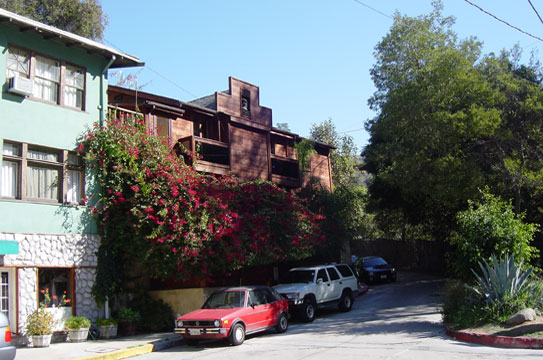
(392, 321)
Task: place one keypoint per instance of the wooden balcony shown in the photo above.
(285, 171)
(214, 155)
(114, 112)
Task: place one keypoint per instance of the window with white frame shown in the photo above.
(51, 175)
(54, 81)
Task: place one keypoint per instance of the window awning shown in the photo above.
(9, 247)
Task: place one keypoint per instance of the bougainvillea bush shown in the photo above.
(154, 210)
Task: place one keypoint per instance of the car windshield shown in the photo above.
(374, 261)
(225, 300)
(300, 276)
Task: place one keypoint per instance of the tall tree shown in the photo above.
(81, 17)
(345, 158)
(432, 105)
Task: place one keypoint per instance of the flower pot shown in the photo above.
(107, 331)
(41, 340)
(78, 335)
(127, 327)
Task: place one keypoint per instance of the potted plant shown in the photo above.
(39, 327)
(127, 321)
(107, 328)
(78, 328)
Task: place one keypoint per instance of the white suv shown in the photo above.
(307, 288)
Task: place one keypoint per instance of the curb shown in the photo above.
(496, 340)
(134, 351)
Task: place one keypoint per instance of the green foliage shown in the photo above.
(305, 148)
(156, 212)
(156, 315)
(81, 17)
(77, 322)
(283, 126)
(458, 313)
(40, 322)
(127, 314)
(432, 105)
(489, 227)
(500, 279)
(345, 157)
(503, 288)
(105, 322)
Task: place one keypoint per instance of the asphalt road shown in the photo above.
(392, 321)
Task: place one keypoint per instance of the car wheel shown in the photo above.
(237, 335)
(282, 323)
(308, 310)
(346, 301)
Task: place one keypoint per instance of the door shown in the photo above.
(7, 295)
(323, 289)
(335, 283)
(257, 310)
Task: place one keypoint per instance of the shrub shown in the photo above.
(156, 315)
(40, 322)
(458, 313)
(106, 322)
(77, 322)
(127, 314)
(502, 288)
(486, 228)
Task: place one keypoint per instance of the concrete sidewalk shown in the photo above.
(119, 348)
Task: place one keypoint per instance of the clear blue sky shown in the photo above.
(310, 58)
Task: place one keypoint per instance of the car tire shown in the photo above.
(282, 323)
(346, 301)
(237, 335)
(308, 310)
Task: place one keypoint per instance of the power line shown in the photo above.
(369, 7)
(532, 5)
(503, 21)
(157, 73)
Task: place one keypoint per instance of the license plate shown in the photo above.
(195, 332)
(383, 276)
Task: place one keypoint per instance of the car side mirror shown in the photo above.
(319, 281)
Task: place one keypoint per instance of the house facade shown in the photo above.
(232, 133)
(54, 87)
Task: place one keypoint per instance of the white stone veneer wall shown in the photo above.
(62, 250)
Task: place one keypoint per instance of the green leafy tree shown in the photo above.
(345, 158)
(432, 106)
(283, 126)
(81, 17)
(489, 227)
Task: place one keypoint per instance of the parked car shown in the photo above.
(374, 268)
(307, 288)
(235, 312)
(7, 349)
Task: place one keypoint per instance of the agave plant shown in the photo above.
(501, 278)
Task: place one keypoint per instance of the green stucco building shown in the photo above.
(54, 87)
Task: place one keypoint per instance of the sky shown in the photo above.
(310, 58)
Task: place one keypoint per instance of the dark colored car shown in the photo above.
(374, 269)
(234, 312)
(7, 349)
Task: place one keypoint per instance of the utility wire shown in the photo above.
(156, 72)
(369, 7)
(503, 21)
(532, 5)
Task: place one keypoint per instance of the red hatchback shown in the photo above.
(234, 312)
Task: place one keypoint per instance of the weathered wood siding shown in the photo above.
(248, 153)
(180, 128)
(320, 167)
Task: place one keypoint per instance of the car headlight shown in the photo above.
(393, 269)
(217, 323)
(179, 323)
(292, 296)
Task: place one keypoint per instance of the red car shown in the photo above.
(234, 312)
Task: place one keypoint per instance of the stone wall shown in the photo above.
(62, 250)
